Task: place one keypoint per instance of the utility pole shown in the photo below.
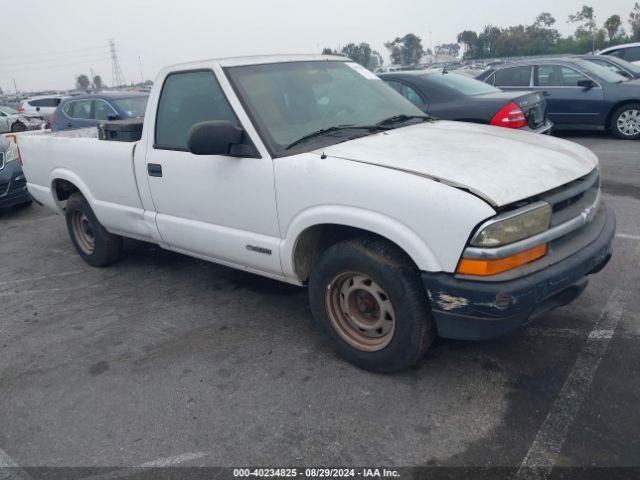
(117, 77)
(140, 63)
(15, 87)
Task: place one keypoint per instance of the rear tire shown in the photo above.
(93, 243)
(625, 122)
(368, 300)
(18, 127)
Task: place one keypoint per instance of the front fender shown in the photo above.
(374, 222)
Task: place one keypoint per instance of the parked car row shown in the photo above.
(580, 94)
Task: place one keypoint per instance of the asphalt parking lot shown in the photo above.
(165, 360)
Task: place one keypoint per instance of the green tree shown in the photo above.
(469, 39)
(585, 18)
(82, 82)
(612, 26)
(360, 53)
(97, 82)
(405, 50)
(487, 40)
(545, 19)
(329, 51)
(634, 21)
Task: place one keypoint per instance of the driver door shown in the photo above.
(219, 207)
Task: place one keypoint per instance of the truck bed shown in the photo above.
(103, 171)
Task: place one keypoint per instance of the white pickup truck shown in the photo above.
(312, 171)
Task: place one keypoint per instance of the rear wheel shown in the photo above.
(625, 122)
(18, 127)
(368, 300)
(93, 243)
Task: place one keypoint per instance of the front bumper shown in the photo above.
(471, 310)
(13, 186)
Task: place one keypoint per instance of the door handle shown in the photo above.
(154, 169)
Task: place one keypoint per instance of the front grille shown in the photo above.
(1, 160)
(572, 199)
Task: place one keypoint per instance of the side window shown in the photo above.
(632, 54)
(50, 102)
(102, 110)
(610, 66)
(558, 76)
(513, 77)
(68, 109)
(37, 103)
(82, 110)
(407, 92)
(616, 53)
(188, 98)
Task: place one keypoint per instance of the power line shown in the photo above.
(59, 52)
(19, 64)
(48, 67)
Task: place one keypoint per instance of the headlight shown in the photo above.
(514, 226)
(10, 155)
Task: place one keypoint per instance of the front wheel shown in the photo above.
(93, 243)
(18, 127)
(625, 122)
(367, 299)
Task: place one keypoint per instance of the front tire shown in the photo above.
(93, 243)
(18, 127)
(625, 122)
(367, 299)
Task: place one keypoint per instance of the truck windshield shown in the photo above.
(288, 101)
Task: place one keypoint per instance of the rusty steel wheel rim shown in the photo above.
(360, 311)
(83, 232)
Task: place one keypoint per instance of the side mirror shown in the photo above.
(214, 137)
(37, 109)
(113, 117)
(587, 84)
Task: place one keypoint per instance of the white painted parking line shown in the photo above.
(541, 457)
(9, 469)
(158, 463)
(175, 460)
(42, 277)
(47, 290)
(628, 236)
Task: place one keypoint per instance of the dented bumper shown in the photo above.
(471, 310)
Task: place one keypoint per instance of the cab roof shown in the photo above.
(258, 60)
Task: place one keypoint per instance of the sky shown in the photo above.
(45, 44)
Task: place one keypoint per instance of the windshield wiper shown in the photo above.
(335, 128)
(403, 118)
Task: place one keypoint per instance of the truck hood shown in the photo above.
(500, 165)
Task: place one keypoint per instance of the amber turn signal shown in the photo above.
(486, 267)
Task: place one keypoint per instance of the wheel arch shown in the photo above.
(63, 184)
(615, 107)
(316, 229)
